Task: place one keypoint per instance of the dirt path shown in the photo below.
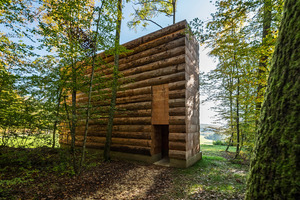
(122, 180)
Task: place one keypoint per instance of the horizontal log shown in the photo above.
(177, 146)
(118, 148)
(176, 103)
(167, 58)
(161, 44)
(135, 106)
(155, 65)
(157, 47)
(177, 94)
(176, 154)
(133, 113)
(177, 111)
(153, 58)
(156, 73)
(178, 85)
(131, 149)
(120, 128)
(156, 81)
(119, 121)
(134, 92)
(160, 37)
(132, 142)
(177, 120)
(117, 141)
(177, 137)
(104, 109)
(117, 134)
(157, 34)
(132, 121)
(177, 128)
(134, 99)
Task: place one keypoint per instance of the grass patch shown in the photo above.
(32, 141)
(213, 177)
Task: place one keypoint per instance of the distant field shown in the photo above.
(208, 137)
(203, 140)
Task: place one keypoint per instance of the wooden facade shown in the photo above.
(158, 110)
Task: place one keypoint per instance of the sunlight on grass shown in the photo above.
(213, 177)
(33, 141)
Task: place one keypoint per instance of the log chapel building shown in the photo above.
(157, 113)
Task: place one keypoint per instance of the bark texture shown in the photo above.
(275, 171)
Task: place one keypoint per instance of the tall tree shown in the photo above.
(114, 83)
(88, 109)
(65, 27)
(275, 169)
(241, 34)
(146, 10)
(265, 44)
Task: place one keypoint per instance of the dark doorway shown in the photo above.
(161, 140)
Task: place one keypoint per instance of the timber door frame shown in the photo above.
(159, 119)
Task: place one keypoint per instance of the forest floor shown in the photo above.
(45, 173)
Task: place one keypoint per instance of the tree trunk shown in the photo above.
(88, 113)
(73, 119)
(237, 118)
(56, 115)
(231, 110)
(275, 169)
(174, 11)
(114, 85)
(262, 67)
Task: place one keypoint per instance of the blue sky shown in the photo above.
(186, 10)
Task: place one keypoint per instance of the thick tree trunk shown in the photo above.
(275, 169)
(114, 86)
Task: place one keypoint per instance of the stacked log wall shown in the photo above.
(192, 97)
(162, 57)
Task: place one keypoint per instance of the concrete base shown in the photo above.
(163, 162)
(135, 157)
(155, 159)
(185, 163)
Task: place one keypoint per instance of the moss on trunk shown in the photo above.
(274, 172)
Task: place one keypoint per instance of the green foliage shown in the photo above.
(28, 141)
(219, 142)
(146, 10)
(238, 36)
